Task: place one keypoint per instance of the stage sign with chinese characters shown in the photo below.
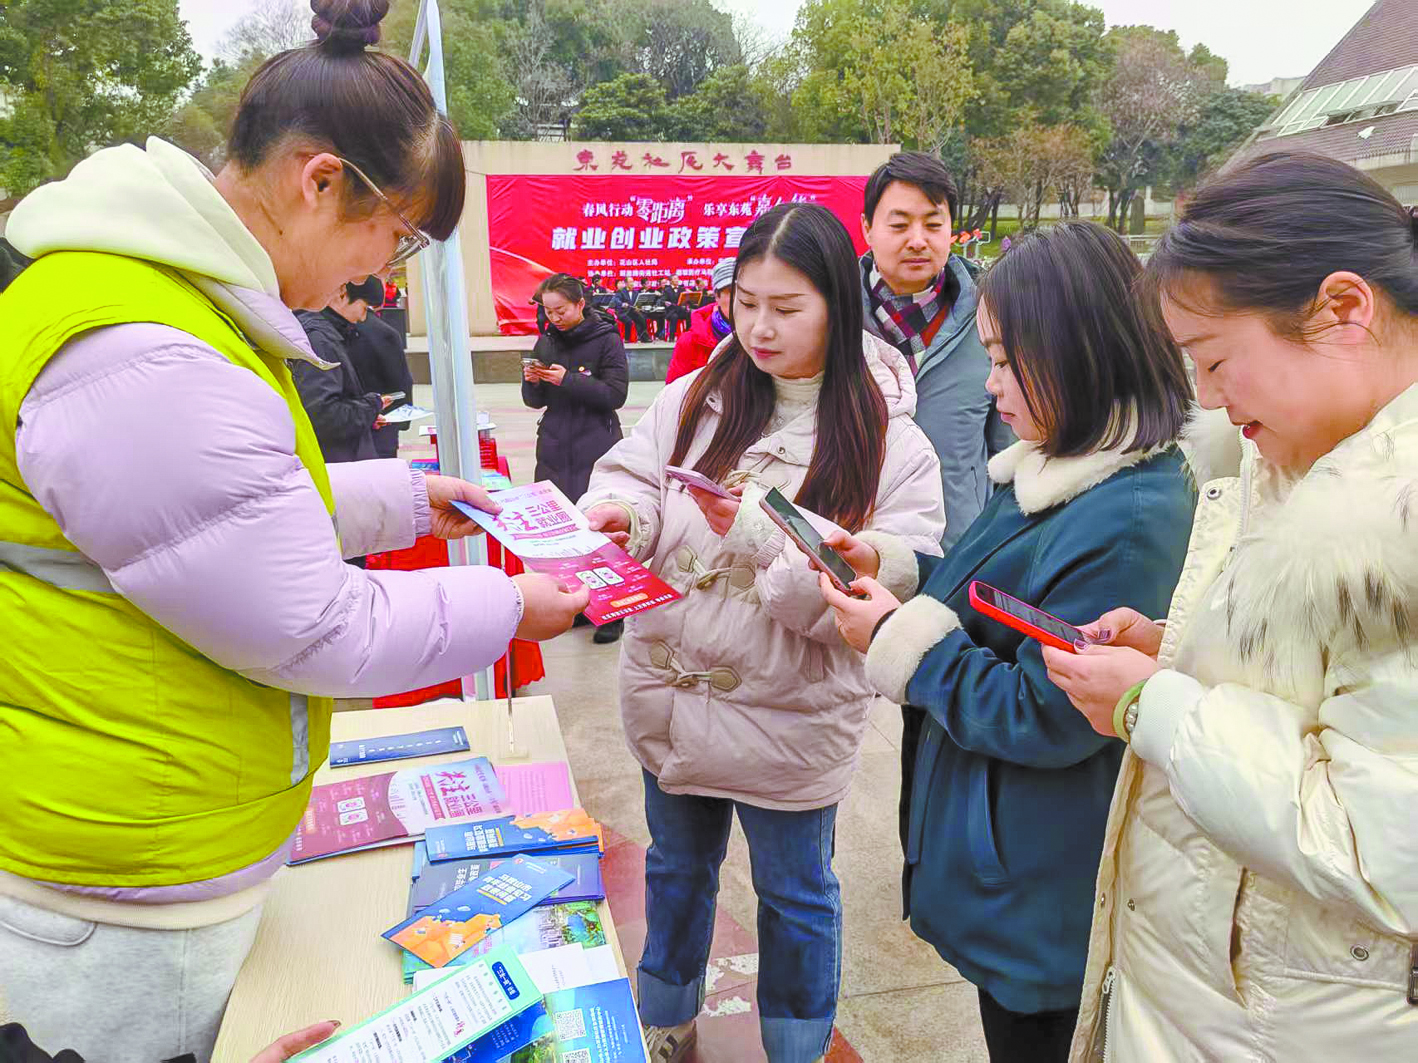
(640, 218)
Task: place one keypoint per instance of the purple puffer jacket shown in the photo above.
(175, 471)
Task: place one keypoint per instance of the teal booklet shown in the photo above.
(464, 917)
(471, 1006)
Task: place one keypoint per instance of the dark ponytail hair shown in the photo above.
(845, 471)
(369, 107)
(1269, 232)
(565, 285)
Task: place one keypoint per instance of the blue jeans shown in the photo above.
(799, 915)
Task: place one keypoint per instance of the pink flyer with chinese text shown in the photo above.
(395, 807)
(541, 526)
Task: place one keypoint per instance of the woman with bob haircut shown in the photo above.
(177, 617)
(1005, 788)
(741, 699)
(1258, 893)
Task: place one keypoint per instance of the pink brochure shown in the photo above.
(541, 526)
(533, 788)
(395, 808)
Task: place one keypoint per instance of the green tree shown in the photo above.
(82, 74)
(1154, 90)
(728, 105)
(1224, 120)
(876, 70)
(632, 107)
(480, 93)
(678, 42)
(1053, 61)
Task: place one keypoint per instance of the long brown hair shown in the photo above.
(850, 447)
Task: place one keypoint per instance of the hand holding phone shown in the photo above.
(690, 478)
(1021, 616)
(800, 530)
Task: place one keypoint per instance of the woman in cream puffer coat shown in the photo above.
(1257, 898)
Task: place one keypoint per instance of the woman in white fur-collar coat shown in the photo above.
(1258, 894)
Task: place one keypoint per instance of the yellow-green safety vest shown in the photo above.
(127, 758)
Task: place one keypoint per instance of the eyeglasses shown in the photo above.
(409, 245)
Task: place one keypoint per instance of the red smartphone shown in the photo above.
(1021, 616)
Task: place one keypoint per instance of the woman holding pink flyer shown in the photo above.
(742, 697)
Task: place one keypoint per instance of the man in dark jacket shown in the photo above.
(341, 408)
(581, 382)
(623, 299)
(376, 351)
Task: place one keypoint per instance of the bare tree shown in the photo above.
(756, 44)
(272, 26)
(1153, 90)
(545, 91)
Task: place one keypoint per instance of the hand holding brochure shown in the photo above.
(406, 414)
(541, 526)
(460, 920)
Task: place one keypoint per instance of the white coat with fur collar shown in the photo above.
(1258, 892)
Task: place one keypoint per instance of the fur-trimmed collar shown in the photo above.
(1212, 444)
(1041, 482)
(1330, 564)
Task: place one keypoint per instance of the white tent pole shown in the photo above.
(450, 362)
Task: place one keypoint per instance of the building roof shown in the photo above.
(1386, 37)
(1391, 134)
(1367, 84)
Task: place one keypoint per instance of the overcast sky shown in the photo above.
(1261, 39)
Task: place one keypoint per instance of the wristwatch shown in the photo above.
(1125, 714)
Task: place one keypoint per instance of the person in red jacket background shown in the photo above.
(707, 325)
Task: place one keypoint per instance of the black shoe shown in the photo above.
(581, 621)
(608, 633)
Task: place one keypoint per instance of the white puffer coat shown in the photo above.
(1258, 893)
(745, 689)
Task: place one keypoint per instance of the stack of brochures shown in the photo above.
(395, 808)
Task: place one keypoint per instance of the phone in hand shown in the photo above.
(799, 529)
(535, 363)
(698, 480)
(1032, 621)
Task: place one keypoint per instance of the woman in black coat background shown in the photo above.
(581, 383)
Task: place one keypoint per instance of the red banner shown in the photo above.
(641, 227)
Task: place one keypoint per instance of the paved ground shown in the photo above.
(900, 1003)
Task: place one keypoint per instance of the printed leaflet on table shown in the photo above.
(460, 920)
(393, 808)
(588, 1024)
(398, 747)
(541, 526)
(567, 831)
(473, 1003)
(437, 881)
(539, 929)
(544, 787)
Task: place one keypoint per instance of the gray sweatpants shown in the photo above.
(116, 994)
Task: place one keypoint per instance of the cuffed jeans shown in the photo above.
(799, 915)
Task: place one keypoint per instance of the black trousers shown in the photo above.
(1012, 1037)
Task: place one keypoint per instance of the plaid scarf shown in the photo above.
(904, 319)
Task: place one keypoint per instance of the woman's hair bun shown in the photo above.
(344, 27)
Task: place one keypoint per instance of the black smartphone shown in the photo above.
(799, 529)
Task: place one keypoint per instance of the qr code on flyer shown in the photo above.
(577, 1055)
(570, 1025)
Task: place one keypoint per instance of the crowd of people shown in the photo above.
(1183, 834)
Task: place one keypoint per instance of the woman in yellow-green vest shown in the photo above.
(174, 613)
